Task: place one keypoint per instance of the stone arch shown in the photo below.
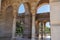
(18, 3)
(40, 5)
(27, 13)
(5, 4)
(42, 1)
(43, 4)
(9, 9)
(26, 4)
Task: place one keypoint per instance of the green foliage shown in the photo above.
(47, 30)
(19, 28)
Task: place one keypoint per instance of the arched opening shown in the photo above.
(20, 21)
(24, 21)
(21, 9)
(43, 15)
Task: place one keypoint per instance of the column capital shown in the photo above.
(33, 11)
(33, 8)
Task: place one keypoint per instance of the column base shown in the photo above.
(32, 38)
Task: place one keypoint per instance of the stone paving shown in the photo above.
(19, 38)
(22, 39)
(30, 39)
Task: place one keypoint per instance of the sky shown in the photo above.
(42, 9)
(21, 9)
(48, 24)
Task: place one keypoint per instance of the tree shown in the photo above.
(47, 30)
(19, 28)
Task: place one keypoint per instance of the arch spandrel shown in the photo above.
(42, 2)
(9, 9)
(42, 5)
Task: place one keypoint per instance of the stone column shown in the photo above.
(33, 26)
(33, 22)
(14, 27)
(44, 29)
(33, 11)
(55, 19)
(39, 31)
(14, 24)
(44, 25)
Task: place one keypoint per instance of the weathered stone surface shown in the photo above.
(55, 13)
(55, 20)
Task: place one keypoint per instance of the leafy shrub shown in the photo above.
(19, 28)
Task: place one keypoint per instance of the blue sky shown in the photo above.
(21, 9)
(42, 9)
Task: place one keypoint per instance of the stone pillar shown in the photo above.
(44, 30)
(39, 31)
(44, 34)
(27, 23)
(33, 26)
(55, 19)
(14, 28)
(14, 24)
(33, 23)
(33, 11)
